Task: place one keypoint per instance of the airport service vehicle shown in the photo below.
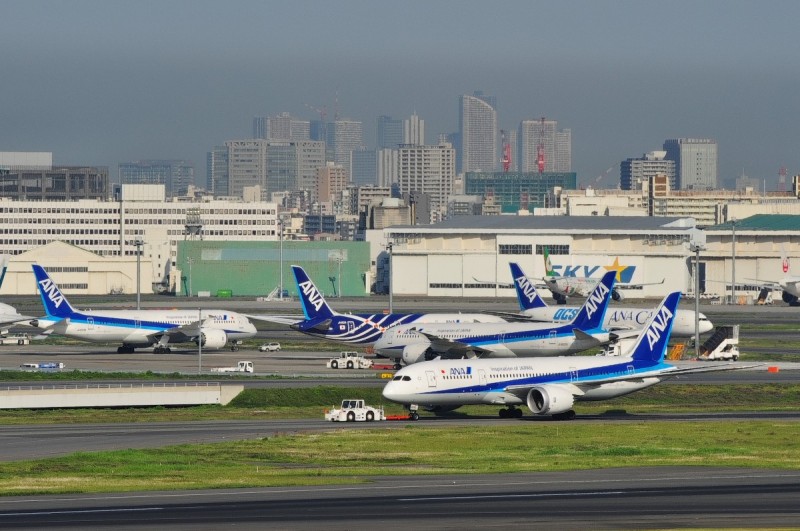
(354, 410)
(349, 360)
(547, 386)
(270, 347)
(15, 340)
(211, 329)
(723, 345)
(43, 365)
(532, 307)
(242, 366)
(321, 321)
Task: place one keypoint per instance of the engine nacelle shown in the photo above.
(549, 400)
(214, 339)
(415, 352)
(788, 298)
(617, 295)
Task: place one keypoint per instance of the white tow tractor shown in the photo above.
(354, 410)
(242, 366)
(349, 360)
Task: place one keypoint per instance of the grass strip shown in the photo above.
(345, 456)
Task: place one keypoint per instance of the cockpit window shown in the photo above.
(406, 378)
(397, 378)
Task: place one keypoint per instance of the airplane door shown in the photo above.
(630, 369)
(431, 378)
(90, 323)
(482, 376)
(573, 374)
(137, 323)
(350, 326)
(551, 337)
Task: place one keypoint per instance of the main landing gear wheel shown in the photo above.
(510, 413)
(124, 349)
(567, 415)
(414, 415)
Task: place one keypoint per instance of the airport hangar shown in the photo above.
(468, 256)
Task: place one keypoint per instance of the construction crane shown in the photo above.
(323, 114)
(506, 151)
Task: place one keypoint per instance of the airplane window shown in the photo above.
(406, 378)
(397, 378)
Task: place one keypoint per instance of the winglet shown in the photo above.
(314, 306)
(527, 295)
(55, 303)
(593, 312)
(651, 345)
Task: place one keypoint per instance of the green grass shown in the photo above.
(345, 456)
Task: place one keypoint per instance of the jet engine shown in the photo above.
(549, 400)
(415, 352)
(214, 339)
(616, 295)
(788, 298)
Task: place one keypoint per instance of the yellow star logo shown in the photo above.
(616, 267)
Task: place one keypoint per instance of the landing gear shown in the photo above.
(397, 366)
(158, 349)
(414, 415)
(560, 299)
(567, 415)
(510, 413)
(235, 345)
(125, 349)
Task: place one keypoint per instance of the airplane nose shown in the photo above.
(390, 392)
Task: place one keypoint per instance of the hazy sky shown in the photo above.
(102, 82)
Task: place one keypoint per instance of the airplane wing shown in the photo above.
(449, 349)
(515, 316)
(578, 389)
(278, 319)
(499, 284)
(639, 285)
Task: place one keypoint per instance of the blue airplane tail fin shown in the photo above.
(593, 312)
(651, 345)
(3, 266)
(527, 295)
(55, 303)
(314, 306)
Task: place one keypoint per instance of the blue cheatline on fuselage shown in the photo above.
(367, 328)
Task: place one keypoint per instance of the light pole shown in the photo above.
(339, 276)
(199, 341)
(389, 246)
(280, 288)
(190, 261)
(697, 248)
(138, 243)
(733, 261)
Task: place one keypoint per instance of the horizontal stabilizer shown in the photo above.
(581, 335)
(322, 326)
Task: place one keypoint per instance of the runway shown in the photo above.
(642, 498)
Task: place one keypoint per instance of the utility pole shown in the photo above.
(389, 246)
(138, 243)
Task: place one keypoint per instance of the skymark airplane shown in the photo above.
(533, 307)
(418, 342)
(138, 328)
(574, 286)
(358, 329)
(548, 386)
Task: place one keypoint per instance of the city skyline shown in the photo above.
(100, 83)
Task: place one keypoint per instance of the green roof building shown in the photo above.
(515, 191)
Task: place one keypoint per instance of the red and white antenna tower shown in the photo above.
(506, 151)
(540, 149)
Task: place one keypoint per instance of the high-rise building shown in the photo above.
(175, 175)
(634, 172)
(387, 167)
(331, 180)
(364, 167)
(281, 127)
(390, 132)
(429, 170)
(515, 191)
(217, 171)
(695, 162)
(414, 130)
(557, 146)
(477, 122)
(247, 165)
(34, 182)
(344, 136)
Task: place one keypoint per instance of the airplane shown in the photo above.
(573, 286)
(322, 321)
(417, 342)
(8, 314)
(138, 328)
(790, 285)
(533, 307)
(547, 386)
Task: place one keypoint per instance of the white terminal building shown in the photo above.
(468, 256)
(89, 236)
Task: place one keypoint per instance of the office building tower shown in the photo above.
(175, 175)
(331, 180)
(281, 127)
(364, 167)
(515, 191)
(217, 171)
(390, 133)
(477, 122)
(247, 165)
(695, 162)
(344, 136)
(556, 146)
(35, 182)
(429, 170)
(387, 161)
(634, 172)
(414, 130)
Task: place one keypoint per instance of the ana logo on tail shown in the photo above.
(597, 296)
(48, 286)
(312, 293)
(658, 326)
(526, 288)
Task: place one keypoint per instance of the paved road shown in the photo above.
(643, 498)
